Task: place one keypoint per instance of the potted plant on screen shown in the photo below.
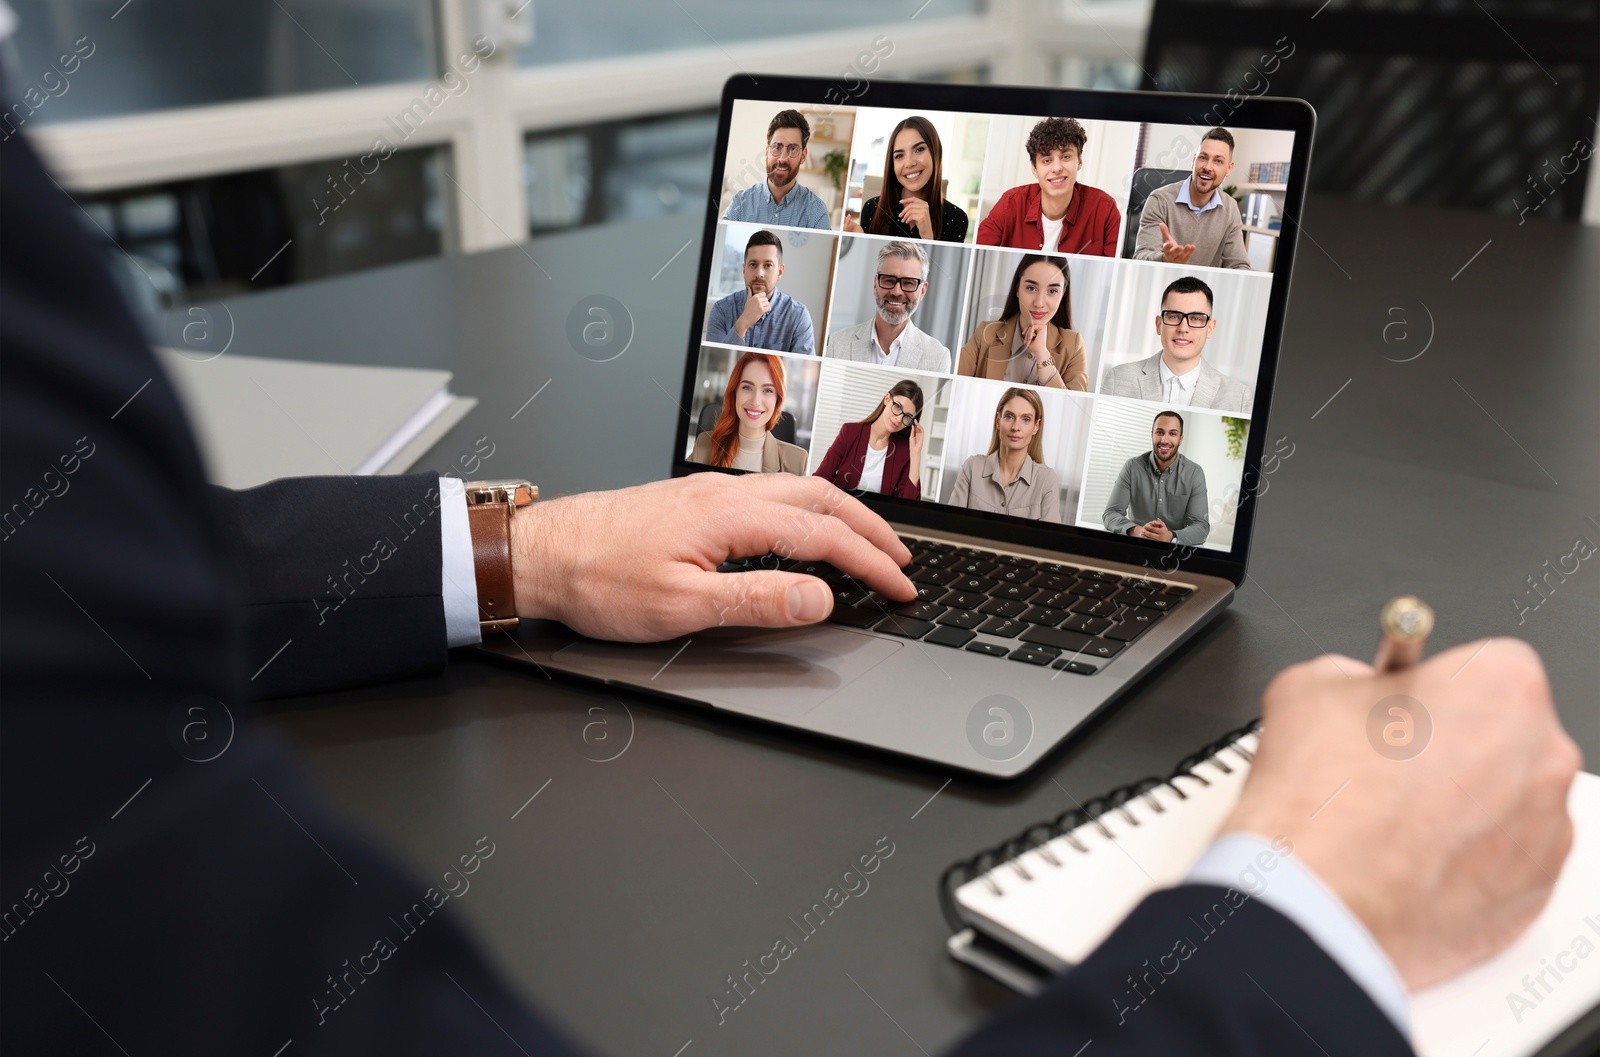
(833, 163)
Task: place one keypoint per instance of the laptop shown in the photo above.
(1070, 440)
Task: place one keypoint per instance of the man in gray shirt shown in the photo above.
(1192, 221)
(1160, 489)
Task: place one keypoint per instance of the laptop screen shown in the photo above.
(1055, 321)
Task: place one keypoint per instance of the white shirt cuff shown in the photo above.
(459, 581)
(1254, 866)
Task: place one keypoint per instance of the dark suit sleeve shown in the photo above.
(171, 884)
(343, 575)
(1191, 973)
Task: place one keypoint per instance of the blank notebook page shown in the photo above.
(1491, 1010)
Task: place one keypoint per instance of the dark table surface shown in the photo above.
(625, 894)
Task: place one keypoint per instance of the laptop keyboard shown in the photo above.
(1000, 605)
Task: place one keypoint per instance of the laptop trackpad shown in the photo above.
(783, 671)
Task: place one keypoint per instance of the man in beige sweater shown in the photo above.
(1192, 221)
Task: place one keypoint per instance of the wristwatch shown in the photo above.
(490, 505)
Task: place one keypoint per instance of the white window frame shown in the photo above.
(1018, 41)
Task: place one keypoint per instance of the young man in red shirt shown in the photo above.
(1057, 214)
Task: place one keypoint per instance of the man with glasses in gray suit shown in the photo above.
(889, 338)
(1177, 375)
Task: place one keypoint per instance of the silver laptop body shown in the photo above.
(992, 703)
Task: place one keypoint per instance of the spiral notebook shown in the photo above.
(1044, 900)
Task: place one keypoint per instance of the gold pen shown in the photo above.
(1406, 622)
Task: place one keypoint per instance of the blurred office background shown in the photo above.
(231, 147)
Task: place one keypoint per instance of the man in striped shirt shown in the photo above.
(780, 198)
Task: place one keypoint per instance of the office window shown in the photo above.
(127, 56)
(198, 240)
(622, 170)
(570, 31)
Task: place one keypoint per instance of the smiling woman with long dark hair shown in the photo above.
(742, 438)
(912, 204)
(883, 451)
(1033, 340)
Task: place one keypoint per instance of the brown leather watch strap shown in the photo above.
(490, 524)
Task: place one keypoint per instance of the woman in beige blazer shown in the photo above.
(1033, 341)
(742, 437)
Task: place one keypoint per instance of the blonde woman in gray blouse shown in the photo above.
(1012, 478)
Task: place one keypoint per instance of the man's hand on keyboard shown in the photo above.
(640, 564)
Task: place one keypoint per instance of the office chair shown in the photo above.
(1144, 181)
(783, 429)
(1488, 106)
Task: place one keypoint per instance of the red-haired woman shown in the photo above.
(742, 438)
(912, 204)
(883, 452)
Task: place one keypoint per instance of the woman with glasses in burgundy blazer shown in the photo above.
(882, 452)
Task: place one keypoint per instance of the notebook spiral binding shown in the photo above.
(1041, 833)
